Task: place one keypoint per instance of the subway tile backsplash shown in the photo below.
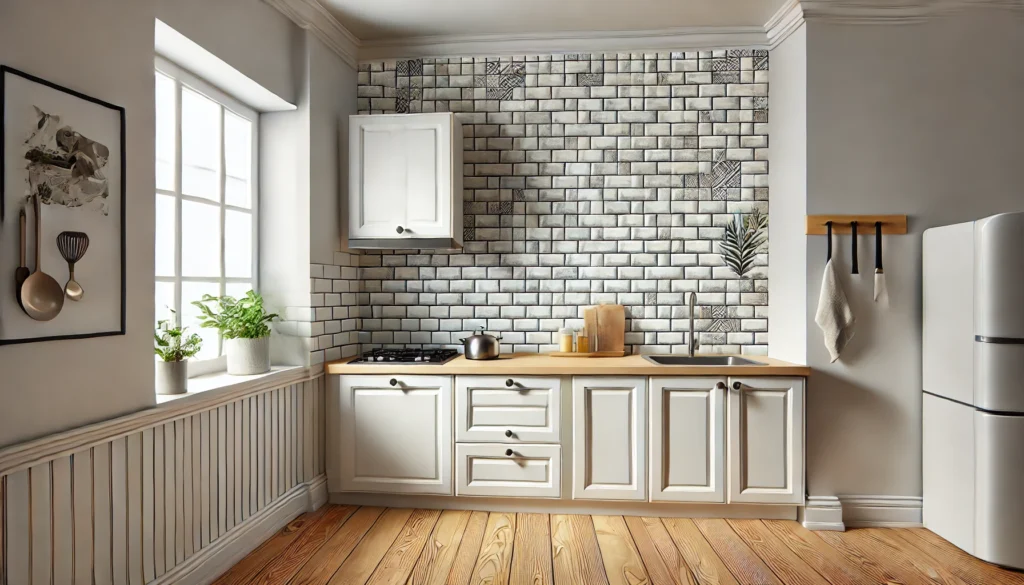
(588, 179)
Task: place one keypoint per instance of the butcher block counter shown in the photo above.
(530, 364)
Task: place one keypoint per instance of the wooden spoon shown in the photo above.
(42, 296)
(22, 272)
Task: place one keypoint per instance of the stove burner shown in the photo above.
(407, 356)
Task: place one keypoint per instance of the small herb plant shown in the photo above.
(242, 318)
(172, 345)
(742, 241)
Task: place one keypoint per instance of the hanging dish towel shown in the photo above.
(834, 316)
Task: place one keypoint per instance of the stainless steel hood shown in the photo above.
(404, 244)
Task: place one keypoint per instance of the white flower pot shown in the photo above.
(247, 357)
(171, 377)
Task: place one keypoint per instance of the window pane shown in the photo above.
(164, 300)
(165, 114)
(200, 145)
(237, 159)
(200, 239)
(166, 235)
(193, 291)
(237, 244)
(238, 289)
(237, 192)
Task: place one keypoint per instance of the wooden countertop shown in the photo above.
(523, 364)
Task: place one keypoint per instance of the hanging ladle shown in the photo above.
(42, 296)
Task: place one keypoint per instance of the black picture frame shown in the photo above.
(4, 71)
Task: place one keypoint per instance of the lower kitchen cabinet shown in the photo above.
(688, 439)
(508, 470)
(609, 419)
(396, 434)
(766, 440)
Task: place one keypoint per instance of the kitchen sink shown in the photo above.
(701, 360)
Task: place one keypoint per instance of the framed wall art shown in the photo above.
(62, 212)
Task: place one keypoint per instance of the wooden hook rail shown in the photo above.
(841, 224)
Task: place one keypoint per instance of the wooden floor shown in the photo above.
(344, 545)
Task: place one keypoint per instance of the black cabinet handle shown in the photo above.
(393, 382)
(509, 383)
(736, 386)
(400, 229)
(720, 385)
(508, 433)
(508, 452)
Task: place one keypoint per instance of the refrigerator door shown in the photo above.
(999, 483)
(999, 313)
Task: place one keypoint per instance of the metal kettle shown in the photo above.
(481, 346)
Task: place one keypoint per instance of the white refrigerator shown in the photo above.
(973, 378)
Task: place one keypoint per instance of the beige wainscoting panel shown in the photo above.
(143, 498)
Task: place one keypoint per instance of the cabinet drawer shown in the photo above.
(488, 470)
(488, 409)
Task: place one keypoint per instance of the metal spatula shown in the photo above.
(881, 291)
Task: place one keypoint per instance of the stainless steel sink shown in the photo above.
(701, 360)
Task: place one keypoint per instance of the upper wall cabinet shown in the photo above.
(405, 181)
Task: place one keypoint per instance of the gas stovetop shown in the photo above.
(407, 356)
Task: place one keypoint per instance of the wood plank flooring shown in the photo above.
(346, 545)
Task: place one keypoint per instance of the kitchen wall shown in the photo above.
(588, 179)
(922, 120)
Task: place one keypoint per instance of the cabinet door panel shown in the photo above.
(486, 470)
(688, 439)
(609, 438)
(766, 432)
(427, 142)
(378, 201)
(486, 409)
(395, 438)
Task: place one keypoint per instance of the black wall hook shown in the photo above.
(853, 240)
(828, 225)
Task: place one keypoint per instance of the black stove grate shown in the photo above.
(407, 356)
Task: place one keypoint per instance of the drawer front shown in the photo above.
(487, 409)
(487, 470)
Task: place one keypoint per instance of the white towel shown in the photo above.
(834, 316)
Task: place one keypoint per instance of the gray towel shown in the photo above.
(834, 316)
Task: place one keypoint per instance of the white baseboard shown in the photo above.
(822, 513)
(204, 567)
(881, 511)
(557, 506)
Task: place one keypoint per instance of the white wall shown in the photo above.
(923, 120)
(106, 51)
(787, 246)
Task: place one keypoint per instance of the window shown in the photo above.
(206, 201)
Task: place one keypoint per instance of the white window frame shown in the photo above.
(183, 78)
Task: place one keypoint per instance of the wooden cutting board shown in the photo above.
(590, 324)
(611, 328)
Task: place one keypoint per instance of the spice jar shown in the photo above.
(565, 340)
(582, 342)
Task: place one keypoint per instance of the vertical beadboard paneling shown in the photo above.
(82, 478)
(63, 520)
(40, 523)
(19, 531)
(158, 502)
(103, 527)
(147, 495)
(321, 413)
(128, 510)
(135, 553)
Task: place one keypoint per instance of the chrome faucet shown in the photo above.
(691, 343)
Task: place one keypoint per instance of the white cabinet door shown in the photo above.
(491, 469)
(688, 439)
(507, 409)
(401, 176)
(397, 437)
(609, 418)
(766, 440)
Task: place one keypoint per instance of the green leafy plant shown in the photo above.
(172, 345)
(743, 239)
(242, 318)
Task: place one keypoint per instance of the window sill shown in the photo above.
(209, 383)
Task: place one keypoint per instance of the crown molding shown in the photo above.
(312, 16)
(676, 39)
(895, 12)
(786, 20)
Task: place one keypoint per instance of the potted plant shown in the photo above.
(173, 348)
(244, 323)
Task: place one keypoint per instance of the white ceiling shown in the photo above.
(387, 19)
